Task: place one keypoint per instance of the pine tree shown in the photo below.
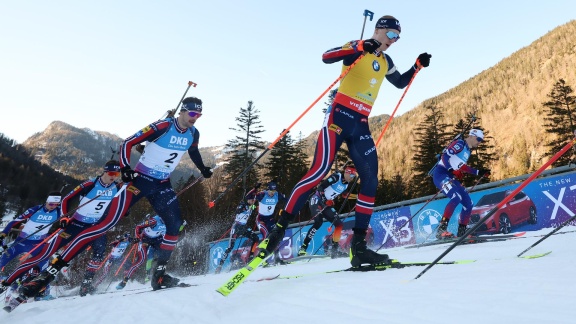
(431, 139)
(244, 149)
(286, 164)
(561, 120)
(391, 190)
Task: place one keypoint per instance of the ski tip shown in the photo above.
(519, 234)
(223, 292)
(535, 256)
(464, 261)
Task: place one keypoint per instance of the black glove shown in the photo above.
(258, 185)
(423, 60)
(371, 45)
(64, 221)
(484, 172)
(206, 172)
(128, 174)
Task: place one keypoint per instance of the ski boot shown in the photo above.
(218, 269)
(442, 231)
(122, 283)
(39, 283)
(86, 287)
(270, 243)
(335, 251)
(461, 230)
(161, 280)
(360, 254)
(302, 251)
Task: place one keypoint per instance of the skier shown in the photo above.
(321, 204)
(347, 120)
(453, 161)
(240, 228)
(168, 140)
(119, 246)
(35, 218)
(149, 233)
(94, 196)
(267, 201)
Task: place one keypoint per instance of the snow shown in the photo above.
(497, 288)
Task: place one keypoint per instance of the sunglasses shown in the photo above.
(113, 173)
(393, 35)
(479, 139)
(53, 204)
(193, 113)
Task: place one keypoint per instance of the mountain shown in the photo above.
(81, 152)
(78, 152)
(25, 182)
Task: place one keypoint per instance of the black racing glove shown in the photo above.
(206, 172)
(484, 172)
(128, 174)
(370, 45)
(64, 221)
(423, 60)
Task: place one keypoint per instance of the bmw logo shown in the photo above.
(427, 222)
(376, 66)
(217, 255)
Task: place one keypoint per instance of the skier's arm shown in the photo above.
(22, 217)
(148, 133)
(81, 190)
(195, 153)
(328, 181)
(400, 81)
(151, 222)
(349, 53)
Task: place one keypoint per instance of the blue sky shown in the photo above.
(116, 66)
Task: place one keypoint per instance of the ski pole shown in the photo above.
(502, 203)
(132, 249)
(221, 237)
(367, 13)
(171, 113)
(399, 101)
(47, 239)
(104, 261)
(549, 234)
(342, 75)
(190, 185)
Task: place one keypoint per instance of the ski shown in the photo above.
(307, 257)
(535, 256)
(471, 240)
(242, 274)
(180, 285)
(400, 265)
(394, 265)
